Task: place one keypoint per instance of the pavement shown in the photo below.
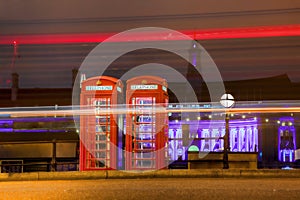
(170, 173)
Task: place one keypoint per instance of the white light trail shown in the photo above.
(157, 109)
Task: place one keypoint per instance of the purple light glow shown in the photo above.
(37, 131)
(286, 139)
(243, 136)
(6, 129)
(6, 122)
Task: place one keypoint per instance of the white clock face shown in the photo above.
(227, 100)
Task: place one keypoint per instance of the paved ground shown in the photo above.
(143, 189)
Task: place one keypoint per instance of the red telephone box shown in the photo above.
(146, 126)
(99, 131)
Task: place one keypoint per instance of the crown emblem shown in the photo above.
(144, 82)
(99, 82)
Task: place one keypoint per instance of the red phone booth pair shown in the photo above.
(118, 136)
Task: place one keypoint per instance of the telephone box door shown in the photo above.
(98, 128)
(146, 124)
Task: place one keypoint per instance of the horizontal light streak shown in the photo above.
(197, 34)
(154, 110)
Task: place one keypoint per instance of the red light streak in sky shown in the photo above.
(199, 34)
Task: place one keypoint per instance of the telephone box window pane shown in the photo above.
(102, 137)
(102, 145)
(102, 119)
(145, 118)
(144, 101)
(100, 163)
(145, 136)
(101, 154)
(99, 102)
(104, 128)
(146, 128)
(146, 145)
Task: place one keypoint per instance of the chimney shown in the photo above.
(14, 86)
(74, 75)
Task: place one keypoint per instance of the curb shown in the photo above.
(173, 173)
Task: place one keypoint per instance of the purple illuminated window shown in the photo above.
(243, 136)
(286, 139)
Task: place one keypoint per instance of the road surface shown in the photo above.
(143, 189)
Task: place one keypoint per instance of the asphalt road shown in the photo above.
(143, 189)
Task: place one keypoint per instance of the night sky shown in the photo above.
(51, 65)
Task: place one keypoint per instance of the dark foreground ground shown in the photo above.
(143, 189)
